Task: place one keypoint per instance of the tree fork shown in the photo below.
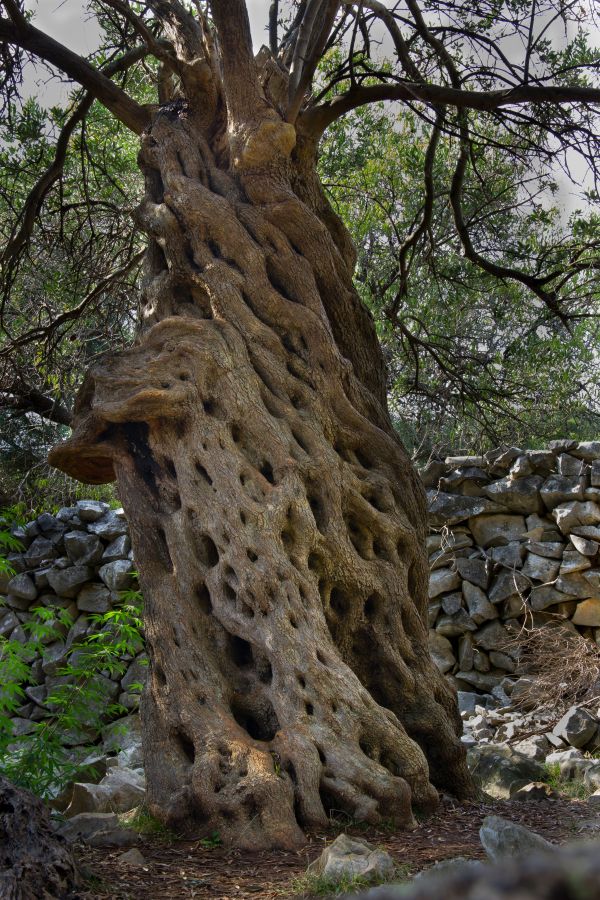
(276, 520)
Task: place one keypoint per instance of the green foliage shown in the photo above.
(474, 360)
(212, 841)
(51, 753)
(8, 543)
(574, 788)
(144, 822)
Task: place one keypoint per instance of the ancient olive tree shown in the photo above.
(277, 522)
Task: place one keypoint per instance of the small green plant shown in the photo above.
(569, 787)
(144, 822)
(52, 751)
(212, 841)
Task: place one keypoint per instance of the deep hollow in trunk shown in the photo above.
(277, 522)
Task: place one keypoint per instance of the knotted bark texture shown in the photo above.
(35, 862)
(276, 520)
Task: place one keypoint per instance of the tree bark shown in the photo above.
(35, 862)
(277, 522)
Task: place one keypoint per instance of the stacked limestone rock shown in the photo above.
(511, 532)
(78, 560)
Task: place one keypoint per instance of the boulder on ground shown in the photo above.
(500, 771)
(534, 747)
(534, 792)
(438, 873)
(119, 791)
(350, 857)
(577, 727)
(502, 839)
(132, 857)
(591, 778)
(568, 872)
(98, 830)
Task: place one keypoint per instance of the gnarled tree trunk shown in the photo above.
(276, 520)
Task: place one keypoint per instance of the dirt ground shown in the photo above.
(186, 868)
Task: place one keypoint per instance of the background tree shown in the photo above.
(474, 360)
(277, 522)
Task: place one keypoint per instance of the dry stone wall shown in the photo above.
(513, 534)
(79, 561)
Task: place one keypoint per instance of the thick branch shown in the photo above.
(273, 17)
(239, 70)
(312, 38)
(42, 46)
(154, 46)
(24, 399)
(318, 118)
(387, 17)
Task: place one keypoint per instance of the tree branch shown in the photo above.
(312, 37)
(42, 46)
(320, 117)
(24, 398)
(240, 78)
(42, 332)
(412, 239)
(273, 17)
(534, 284)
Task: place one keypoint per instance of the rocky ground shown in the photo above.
(532, 769)
(185, 869)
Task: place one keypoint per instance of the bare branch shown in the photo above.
(23, 398)
(42, 332)
(115, 99)
(313, 34)
(273, 16)
(320, 117)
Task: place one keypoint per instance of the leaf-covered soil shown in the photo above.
(185, 868)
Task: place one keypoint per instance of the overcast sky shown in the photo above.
(68, 22)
